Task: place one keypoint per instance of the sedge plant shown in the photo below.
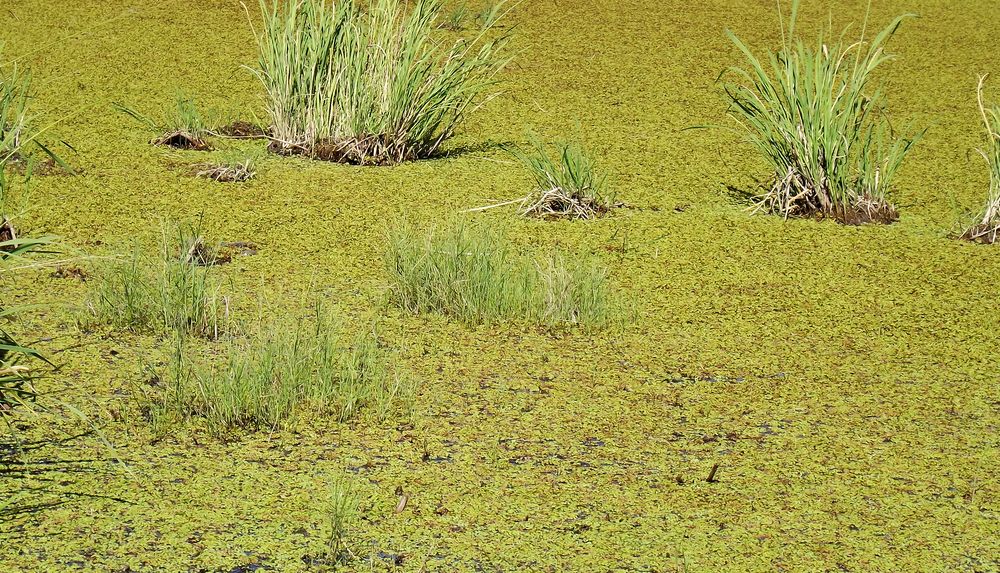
(368, 83)
(476, 276)
(814, 112)
(16, 370)
(281, 369)
(182, 126)
(567, 185)
(171, 291)
(987, 228)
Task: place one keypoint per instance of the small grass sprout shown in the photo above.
(491, 13)
(14, 121)
(567, 186)
(181, 127)
(368, 83)
(17, 131)
(343, 510)
(812, 112)
(987, 228)
(454, 19)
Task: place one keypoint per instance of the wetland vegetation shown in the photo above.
(434, 285)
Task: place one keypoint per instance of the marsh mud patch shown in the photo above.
(182, 140)
(242, 130)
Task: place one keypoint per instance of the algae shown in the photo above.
(844, 379)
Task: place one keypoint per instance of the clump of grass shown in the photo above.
(16, 388)
(988, 227)
(266, 377)
(17, 131)
(14, 91)
(572, 291)
(474, 275)
(812, 112)
(491, 13)
(233, 167)
(343, 509)
(16, 376)
(455, 18)
(565, 186)
(368, 83)
(169, 292)
(182, 126)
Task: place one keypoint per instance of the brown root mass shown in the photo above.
(557, 203)
(807, 203)
(182, 140)
(884, 214)
(69, 272)
(7, 233)
(381, 149)
(225, 173)
(204, 255)
(985, 233)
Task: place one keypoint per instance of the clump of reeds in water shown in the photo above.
(368, 83)
(568, 186)
(813, 112)
(987, 228)
(181, 127)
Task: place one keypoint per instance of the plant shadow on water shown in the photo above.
(46, 464)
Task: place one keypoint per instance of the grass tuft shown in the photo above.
(343, 510)
(364, 83)
(491, 13)
(455, 18)
(567, 186)
(14, 121)
(233, 167)
(266, 378)
(182, 126)
(988, 227)
(170, 292)
(812, 112)
(474, 275)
